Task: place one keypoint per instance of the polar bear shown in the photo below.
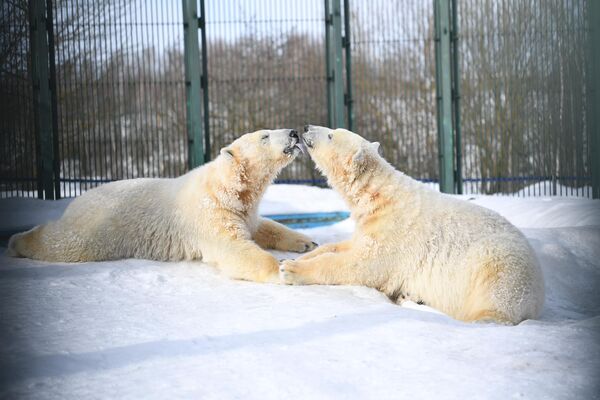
(208, 214)
(414, 243)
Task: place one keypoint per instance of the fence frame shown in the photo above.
(43, 77)
(346, 43)
(193, 84)
(458, 178)
(339, 104)
(333, 61)
(593, 123)
(444, 83)
(204, 81)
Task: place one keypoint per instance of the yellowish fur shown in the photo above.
(209, 214)
(414, 243)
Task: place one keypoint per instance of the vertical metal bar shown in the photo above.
(593, 108)
(333, 50)
(152, 84)
(42, 98)
(192, 84)
(164, 88)
(52, 83)
(328, 64)
(68, 104)
(144, 161)
(456, 99)
(34, 50)
(119, 39)
(443, 69)
(87, 109)
(337, 64)
(348, 99)
(136, 88)
(205, 102)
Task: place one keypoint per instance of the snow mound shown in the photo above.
(143, 329)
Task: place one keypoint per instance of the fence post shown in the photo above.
(456, 99)
(593, 109)
(53, 91)
(204, 83)
(333, 54)
(192, 84)
(346, 42)
(443, 74)
(42, 99)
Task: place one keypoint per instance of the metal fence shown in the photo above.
(521, 122)
(17, 132)
(120, 91)
(393, 77)
(524, 102)
(118, 94)
(265, 70)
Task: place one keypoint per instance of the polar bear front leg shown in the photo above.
(339, 268)
(326, 248)
(273, 235)
(245, 260)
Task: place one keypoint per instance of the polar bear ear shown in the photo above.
(227, 152)
(360, 159)
(377, 147)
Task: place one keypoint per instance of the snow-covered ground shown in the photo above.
(144, 329)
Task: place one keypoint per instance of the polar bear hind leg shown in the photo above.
(27, 244)
(48, 243)
(505, 283)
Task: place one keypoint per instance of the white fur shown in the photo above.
(414, 243)
(208, 214)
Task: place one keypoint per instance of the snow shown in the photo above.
(543, 212)
(144, 329)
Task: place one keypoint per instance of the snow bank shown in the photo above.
(543, 212)
(143, 329)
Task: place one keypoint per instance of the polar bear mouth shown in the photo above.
(293, 148)
(307, 142)
(290, 150)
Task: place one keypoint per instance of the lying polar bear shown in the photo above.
(414, 243)
(208, 214)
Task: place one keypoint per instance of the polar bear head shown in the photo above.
(343, 156)
(266, 148)
(253, 160)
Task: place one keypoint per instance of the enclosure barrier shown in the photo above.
(492, 96)
(594, 89)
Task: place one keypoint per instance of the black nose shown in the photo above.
(294, 133)
(306, 128)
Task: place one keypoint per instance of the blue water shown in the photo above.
(309, 220)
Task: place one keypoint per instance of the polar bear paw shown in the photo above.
(298, 245)
(288, 273)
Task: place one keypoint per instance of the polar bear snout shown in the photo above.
(308, 141)
(311, 132)
(279, 141)
(292, 144)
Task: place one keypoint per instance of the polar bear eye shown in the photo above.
(330, 136)
(264, 137)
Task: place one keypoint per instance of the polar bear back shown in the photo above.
(124, 219)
